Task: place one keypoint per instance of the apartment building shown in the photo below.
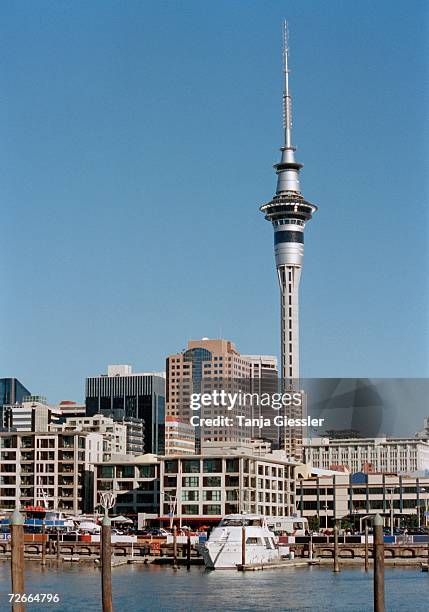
(114, 434)
(179, 437)
(204, 488)
(368, 454)
(54, 470)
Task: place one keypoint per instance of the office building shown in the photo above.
(264, 379)
(12, 391)
(208, 365)
(130, 398)
(368, 454)
(53, 470)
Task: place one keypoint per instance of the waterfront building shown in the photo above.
(329, 497)
(368, 454)
(179, 437)
(135, 480)
(199, 489)
(53, 470)
(204, 488)
(288, 212)
(12, 391)
(207, 365)
(32, 414)
(128, 397)
(114, 433)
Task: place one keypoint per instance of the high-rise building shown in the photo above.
(288, 212)
(12, 391)
(264, 379)
(130, 399)
(205, 366)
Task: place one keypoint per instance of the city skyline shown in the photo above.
(95, 150)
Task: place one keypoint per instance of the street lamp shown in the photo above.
(172, 502)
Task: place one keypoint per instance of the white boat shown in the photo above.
(224, 548)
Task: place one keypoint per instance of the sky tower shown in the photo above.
(288, 211)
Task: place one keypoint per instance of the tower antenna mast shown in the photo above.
(287, 100)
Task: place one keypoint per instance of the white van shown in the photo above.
(287, 525)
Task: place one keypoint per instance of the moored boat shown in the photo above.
(224, 548)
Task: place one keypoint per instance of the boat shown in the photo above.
(224, 548)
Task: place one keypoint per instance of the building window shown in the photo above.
(212, 509)
(106, 471)
(125, 471)
(189, 509)
(212, 481)
(170, 467)
(147, 471)
(212, 495)
(212, 465)
(232, 481)
(190, 481)
(232, 465)
(190, 496)
(191, 466)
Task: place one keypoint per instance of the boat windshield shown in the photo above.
(240, 522)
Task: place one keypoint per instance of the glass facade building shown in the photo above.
(12, 391)
(133, 396)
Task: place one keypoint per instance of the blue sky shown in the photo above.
(137, 144)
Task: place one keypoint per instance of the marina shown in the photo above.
(143, 588)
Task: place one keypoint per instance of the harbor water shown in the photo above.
(141, 588)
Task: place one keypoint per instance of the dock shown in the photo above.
(284, 564)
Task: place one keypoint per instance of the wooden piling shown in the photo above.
(378, 556)
(106, 564)
(175, 547)
(188, 553)
(336, 554)
(243, 546)
(43, 556)
(366, 548)
(17, 557)
(58, 545)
